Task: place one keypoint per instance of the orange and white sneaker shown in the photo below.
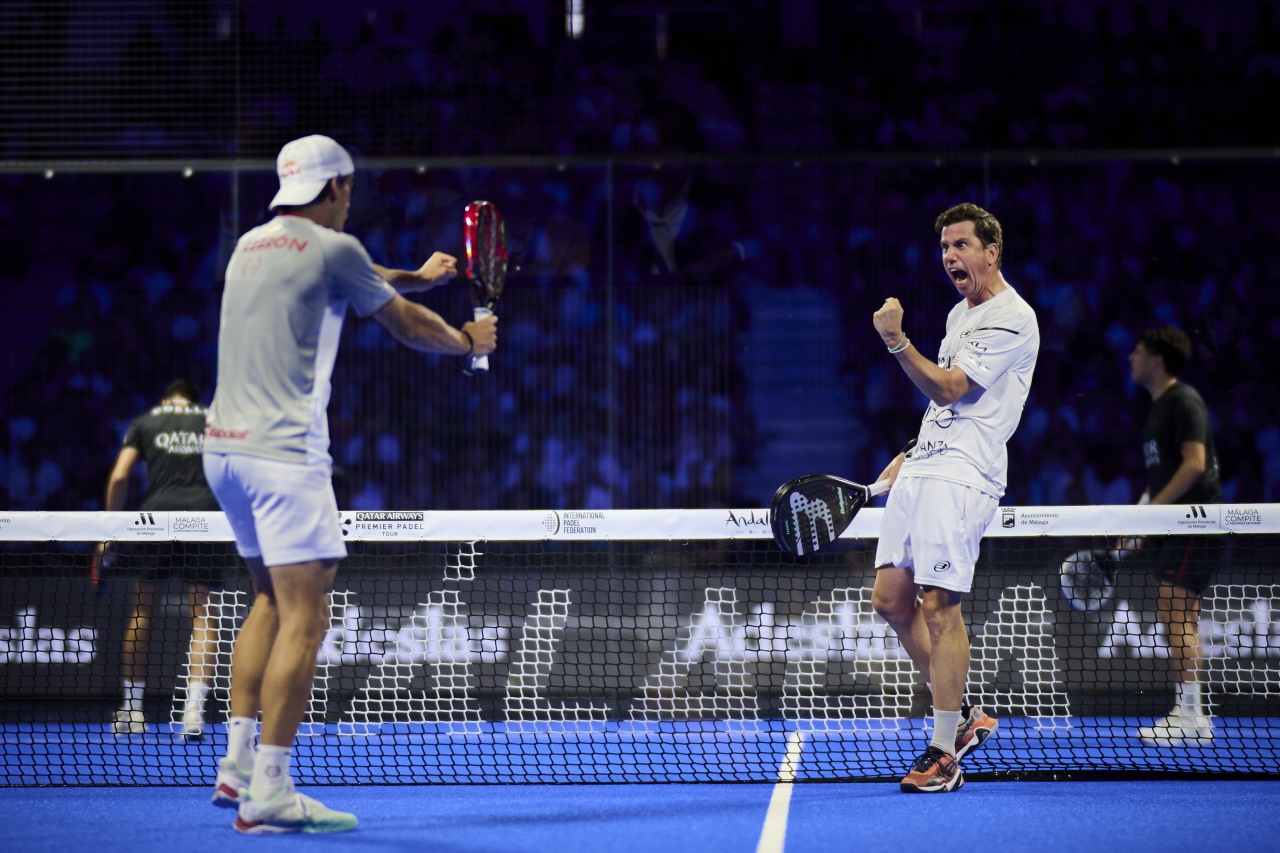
(974, 730)
(934, 772)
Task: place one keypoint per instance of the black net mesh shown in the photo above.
(605, 660)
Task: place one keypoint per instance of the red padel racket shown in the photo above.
(485, 241)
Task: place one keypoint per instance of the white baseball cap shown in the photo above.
(305, 165)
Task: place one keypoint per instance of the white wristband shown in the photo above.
(902, 344)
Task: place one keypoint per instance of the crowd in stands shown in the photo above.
(503, 77)
(622, 378)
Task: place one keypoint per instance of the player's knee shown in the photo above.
(892, 608)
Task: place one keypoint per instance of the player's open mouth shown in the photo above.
(959, 275)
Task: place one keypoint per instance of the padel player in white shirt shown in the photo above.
(945, 493)
(266, 455)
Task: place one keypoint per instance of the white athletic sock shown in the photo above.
(945, 724)
(270, 770)
(196, 693)
(1189, 699)
(241, 733)
(133, 694)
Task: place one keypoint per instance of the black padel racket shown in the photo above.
(484, 238)
(1088, 577)
(809, 513)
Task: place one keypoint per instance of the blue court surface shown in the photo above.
(1206, 816)
(72, 787)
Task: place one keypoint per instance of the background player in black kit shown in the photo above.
(168, 439)
(1182, 467)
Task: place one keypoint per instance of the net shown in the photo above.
(637, 646)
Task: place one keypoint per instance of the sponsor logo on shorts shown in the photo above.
(942, 565)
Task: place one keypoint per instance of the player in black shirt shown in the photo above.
(1182, 467)
(168, 439)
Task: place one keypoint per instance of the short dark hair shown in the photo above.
(325, 195)
(985, 226)
(183, 388)
(1171, 344)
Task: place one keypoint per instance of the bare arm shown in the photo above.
(118, 481)
(118, 486)
(941, 385)
(438, 269)
(1194, 462)
(422, 329)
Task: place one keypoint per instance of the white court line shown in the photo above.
(773, 837)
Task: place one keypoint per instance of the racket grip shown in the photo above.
(479, 362)
(878, 488)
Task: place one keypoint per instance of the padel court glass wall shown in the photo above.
(641, 371)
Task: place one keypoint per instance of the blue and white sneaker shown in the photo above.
(288, 811)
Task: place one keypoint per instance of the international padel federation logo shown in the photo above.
(551, 523)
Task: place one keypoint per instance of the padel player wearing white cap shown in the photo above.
(266, 454)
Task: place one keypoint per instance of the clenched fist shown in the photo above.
(888, 322)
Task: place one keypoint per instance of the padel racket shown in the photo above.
(1088, 577)
(484, 238)
(810, 512)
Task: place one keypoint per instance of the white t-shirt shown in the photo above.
(289, 283)
(996, 345)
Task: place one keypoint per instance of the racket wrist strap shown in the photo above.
(471, 344)
(900, 346)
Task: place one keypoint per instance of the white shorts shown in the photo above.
(934, 528)
(281, 512)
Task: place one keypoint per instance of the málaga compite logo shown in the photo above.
(1237, 517)
(189, 523)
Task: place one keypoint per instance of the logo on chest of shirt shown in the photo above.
(942, 418)
(973, 346)
(1150, 453)
(179, 443)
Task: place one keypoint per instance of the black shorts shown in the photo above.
(194, 562)
(1186, 561)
